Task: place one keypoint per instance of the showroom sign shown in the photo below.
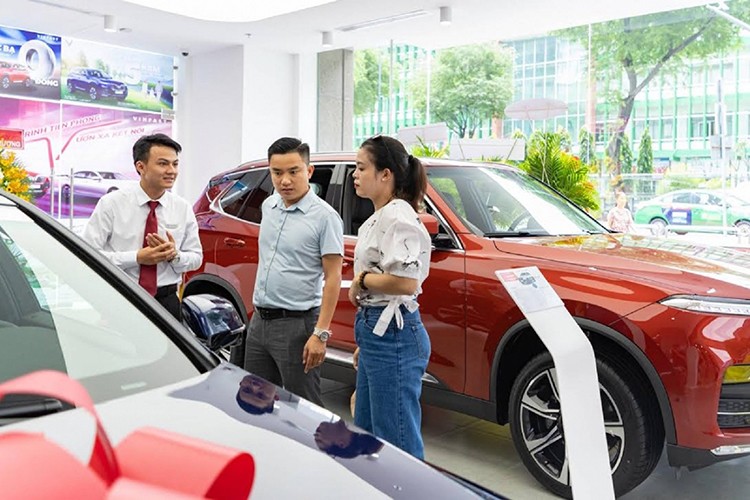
(29, 64)
(11, 138)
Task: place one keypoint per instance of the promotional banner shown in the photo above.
(115, 76)
(29, 64)
(95, 144)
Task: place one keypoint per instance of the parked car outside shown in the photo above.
(694, 210)
(14, 74)
(669, 322)
(96, 84)
(93, 184)
(64, 307)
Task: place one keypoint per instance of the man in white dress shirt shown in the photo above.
(147, 231)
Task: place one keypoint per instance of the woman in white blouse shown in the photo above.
(391, 261)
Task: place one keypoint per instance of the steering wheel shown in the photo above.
(517, 221)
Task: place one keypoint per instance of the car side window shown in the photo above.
(245, 197)
(682, 198)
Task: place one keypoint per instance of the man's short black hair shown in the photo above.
(290, 145)
(253, 409)
(142, 146)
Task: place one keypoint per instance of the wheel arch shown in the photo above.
(520, 343)
(209, 283)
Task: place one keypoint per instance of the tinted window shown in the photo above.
(244, 198)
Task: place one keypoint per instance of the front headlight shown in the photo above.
(736, 307)
(737, 374)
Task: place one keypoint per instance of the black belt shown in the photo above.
(164, 291)
(268, 314)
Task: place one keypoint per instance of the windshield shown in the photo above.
(57, 313)
(498, 202)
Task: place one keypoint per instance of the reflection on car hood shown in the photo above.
(287, 443)
(667, 261)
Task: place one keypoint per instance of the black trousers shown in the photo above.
(167, 296)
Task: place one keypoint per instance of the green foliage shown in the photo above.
(470, 84)
(626, 154)
(637, 49)
(13, 177)
(370, 67)
(586, 147)
(546, 161)
(619, 144)
(565, 140)
(646, 154)
(425, 150)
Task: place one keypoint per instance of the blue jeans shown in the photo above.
(389, 378)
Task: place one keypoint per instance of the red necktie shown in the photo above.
(147, 277)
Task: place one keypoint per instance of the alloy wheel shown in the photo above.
(541, 422)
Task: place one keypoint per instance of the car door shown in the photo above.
(708, 210)
(82, 183)
(442, 303)
(680, 212)
(230, 232)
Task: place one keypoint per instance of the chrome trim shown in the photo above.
(345, 357)
(439, 216)
(733, 413)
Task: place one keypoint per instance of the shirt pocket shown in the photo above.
(176, 230)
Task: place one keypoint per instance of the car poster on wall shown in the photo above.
(115, 76)
(76, 153)
(29, 64)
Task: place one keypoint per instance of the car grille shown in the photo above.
(734, 406)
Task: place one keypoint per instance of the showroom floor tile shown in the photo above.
(484, 453)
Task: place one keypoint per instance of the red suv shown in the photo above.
(11, 73)
(669, 321)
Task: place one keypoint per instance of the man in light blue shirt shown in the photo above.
(301, 248)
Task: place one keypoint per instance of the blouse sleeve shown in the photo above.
(401, 245)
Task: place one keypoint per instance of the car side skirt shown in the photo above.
(338, 366)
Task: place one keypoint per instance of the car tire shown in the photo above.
(65, 193)
(743, 228)
(658, 227)
(27, 83)
(93, 94)
(635, 435)
(71, 87)
(5, 82)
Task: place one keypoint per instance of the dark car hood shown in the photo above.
(675, 264)
(288, 463)
(110, 81)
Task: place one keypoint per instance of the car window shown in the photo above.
(684, 198)
(502, 201)
(245, 197)
(58, 313)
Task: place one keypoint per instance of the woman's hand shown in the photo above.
(355, 359)
(354, 291)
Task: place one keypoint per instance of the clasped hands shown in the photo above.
(157, 250)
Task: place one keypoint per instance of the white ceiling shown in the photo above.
(300, 32)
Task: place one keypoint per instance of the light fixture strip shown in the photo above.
(383, 20)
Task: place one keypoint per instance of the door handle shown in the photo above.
(234, 242)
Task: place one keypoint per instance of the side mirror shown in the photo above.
(213, 320)
(430, 223)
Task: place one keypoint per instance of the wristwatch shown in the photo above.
(322, 334)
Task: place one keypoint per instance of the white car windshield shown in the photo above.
(57, 313)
